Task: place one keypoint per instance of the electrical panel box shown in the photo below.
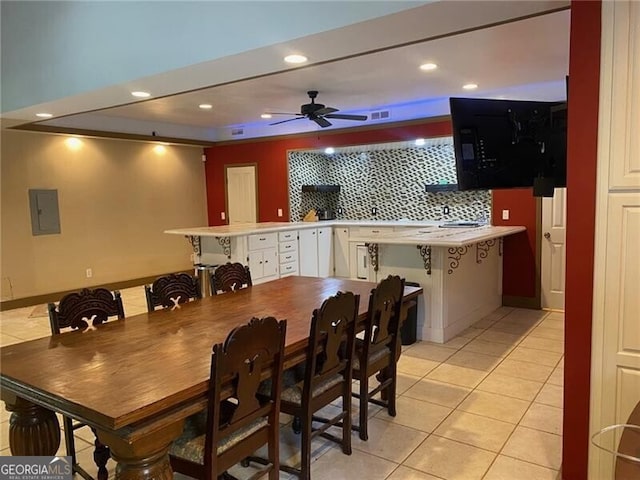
(45, 215)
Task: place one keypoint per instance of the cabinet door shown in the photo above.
(256, 264)
(325, 252)
(308, 252)
(270, 262)
(341, 252)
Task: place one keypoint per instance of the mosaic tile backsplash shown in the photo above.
(391, 180)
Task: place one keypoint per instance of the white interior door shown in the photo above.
(554, 219)
(241, 194)
(615, 358)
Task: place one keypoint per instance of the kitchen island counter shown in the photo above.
(459, 267)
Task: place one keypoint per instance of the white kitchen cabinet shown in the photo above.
(263, 257)
(316, 252)
(308, 251)
(341, 252)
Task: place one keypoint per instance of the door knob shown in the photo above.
(547, 235)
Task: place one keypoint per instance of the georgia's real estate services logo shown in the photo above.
(35, 468)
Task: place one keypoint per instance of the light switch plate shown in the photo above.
(222, 216)
(505, 214)
(279, 212)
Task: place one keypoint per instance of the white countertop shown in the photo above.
(265, 227)
(437, 236)
(426, 232)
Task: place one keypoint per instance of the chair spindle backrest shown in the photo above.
(248, 352)
(331, 339)
(80, 309)
(230, 277)
(173, 289)
(385, 304)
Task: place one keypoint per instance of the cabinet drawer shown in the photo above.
(266, 240)
(288, 257)
(287, 236)
(285, 247)
(288, 269)
(372, 231)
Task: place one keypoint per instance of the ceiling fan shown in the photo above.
(318, 113)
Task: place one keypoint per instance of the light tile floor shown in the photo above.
(485, 405)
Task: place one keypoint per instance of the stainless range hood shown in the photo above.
(321, 188)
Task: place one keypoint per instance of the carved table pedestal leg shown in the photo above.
(144, 457)
(33, 430)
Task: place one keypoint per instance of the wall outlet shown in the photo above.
(374, 210)
(445, 209)
(279, 212)
(223, 216)
(89, 273)
(505, 214)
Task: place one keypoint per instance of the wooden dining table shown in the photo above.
(136, 380)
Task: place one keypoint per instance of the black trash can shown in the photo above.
(409, 329)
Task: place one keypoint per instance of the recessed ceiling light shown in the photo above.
(428, 66)
(329, 150)
(295, 58)
(141, 94)
(265, 115)
(44, 115)
(419, 141)
(470, 86)
(205, 106)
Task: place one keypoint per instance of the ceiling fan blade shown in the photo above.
(344, 116)
(325, 110)
(321, 121)
(285, 113)
(287, 120)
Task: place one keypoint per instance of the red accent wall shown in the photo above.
(270, 155)
(584, 79)
(519, 272)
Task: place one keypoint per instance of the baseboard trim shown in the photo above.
(521, 302)
(56, 296)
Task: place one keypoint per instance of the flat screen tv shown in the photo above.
(510, 144)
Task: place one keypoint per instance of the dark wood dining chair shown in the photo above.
(80, 311)
(378, 351)
(230, 277)
(234, 427)
(171, 290)
(327, 377)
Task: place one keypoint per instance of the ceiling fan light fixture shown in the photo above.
(44, 115)
(470, 86)
(205, 106)
(266, 115)
(140, 94)
(428, 67)
(295, 58)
